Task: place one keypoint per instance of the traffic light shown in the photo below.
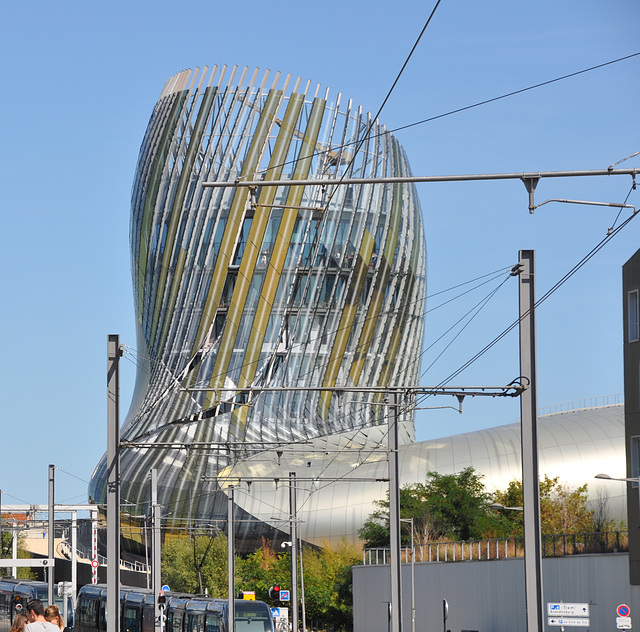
(274, 592)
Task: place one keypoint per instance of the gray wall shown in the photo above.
(631, 281)
(489, 596)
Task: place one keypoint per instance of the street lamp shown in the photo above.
(413, 577)
(499, 506)
(630, 479)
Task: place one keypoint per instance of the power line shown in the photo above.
(469, 107)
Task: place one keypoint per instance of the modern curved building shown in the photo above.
(238, 291)
(255, 307)
(574, 445)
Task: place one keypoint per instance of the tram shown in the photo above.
(16, 593)
(184, 613)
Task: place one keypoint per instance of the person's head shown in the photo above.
(19, 621)
(35, 609)
(52, 614)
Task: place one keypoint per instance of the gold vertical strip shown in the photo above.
(346, 320)
(254, 240)
(177, 212)
(386, 263)
(398, 330)
(152, 195)
(236, 215)
(277, 260)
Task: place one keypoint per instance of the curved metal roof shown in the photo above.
(574, 446)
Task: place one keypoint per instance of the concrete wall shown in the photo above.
(631, 282)
(489, 596)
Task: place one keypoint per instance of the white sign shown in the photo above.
(567, 609)
(280, 619)
(576, 622)
(95, 563)
(623, 623)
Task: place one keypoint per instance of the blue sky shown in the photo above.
(80, 81)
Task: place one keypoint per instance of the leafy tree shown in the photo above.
(7, 552)
(453, 506)
(327, 580)
(562, 509)
(195, 563)
(262, 569)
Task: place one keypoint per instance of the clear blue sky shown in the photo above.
(80, 81)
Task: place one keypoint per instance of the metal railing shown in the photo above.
(503, 548)
(84, 553)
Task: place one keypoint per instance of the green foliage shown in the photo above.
(261, 570)
(562, 509)
(191, 564)
(328, 584)
(7, 552)
(326, 574)
(457, 507)
(451, 506)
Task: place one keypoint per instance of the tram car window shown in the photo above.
(184, 613)
(253, 617)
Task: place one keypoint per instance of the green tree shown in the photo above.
(262, 569)
(7, 552)
(327, 580)
(562, 509)
(453, 506)
(191, 564)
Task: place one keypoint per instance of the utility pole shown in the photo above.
(14, 548)
(114, 352)
(74, 558)
(394, 517)
(293, 511)
(231, 561)
(51, 542)
(529, 439)
(156, 559)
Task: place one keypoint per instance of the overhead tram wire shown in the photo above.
(468, 107)
(132, 354)
(475, 311)
(475, 287)
(633, 188)
(476, 308)
(367, 134)
(195, 418)
(541, 300)
(455, 287)
(513, 93)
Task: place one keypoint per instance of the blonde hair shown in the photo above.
(52, 614)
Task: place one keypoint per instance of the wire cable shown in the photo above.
(542, 299)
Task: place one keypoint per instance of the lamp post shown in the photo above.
(413, 577)
(499, 506)
(627, 479)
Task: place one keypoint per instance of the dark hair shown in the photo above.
(37, 606)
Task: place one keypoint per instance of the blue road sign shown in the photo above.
(285, 595)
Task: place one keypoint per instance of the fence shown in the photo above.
(502, 548)
(84, 553)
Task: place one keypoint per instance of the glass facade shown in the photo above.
(276, 286)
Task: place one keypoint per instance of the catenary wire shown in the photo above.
(539, 302)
